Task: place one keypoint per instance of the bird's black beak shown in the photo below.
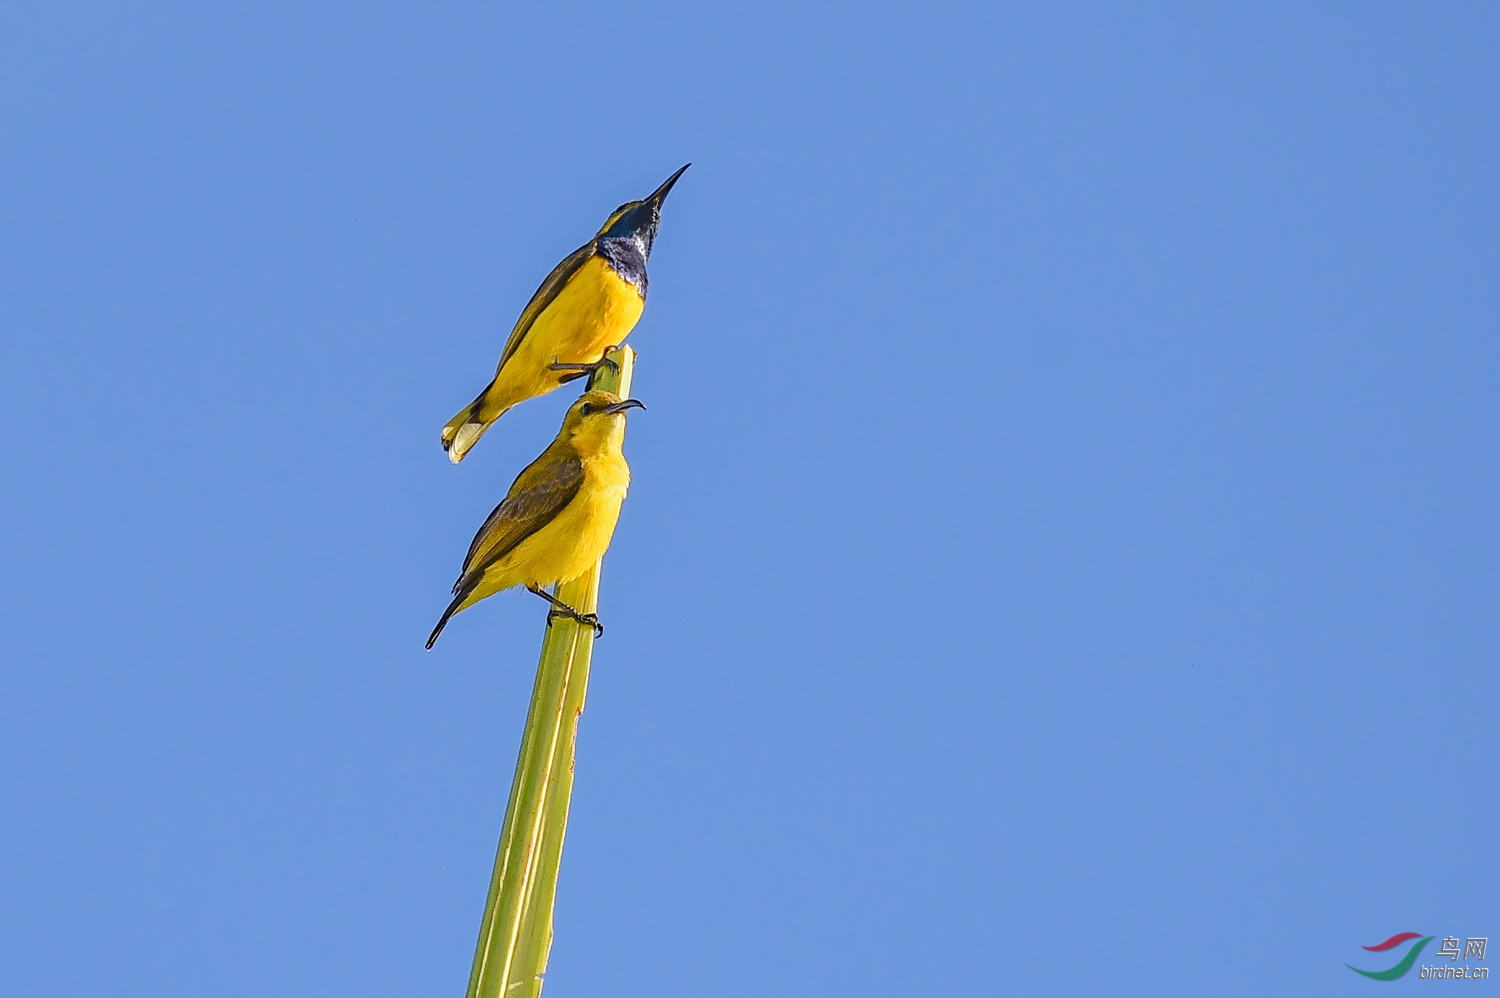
(660, 194)
(628, 403)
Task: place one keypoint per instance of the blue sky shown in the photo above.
(1062, 554)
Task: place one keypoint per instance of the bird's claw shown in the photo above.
(586, 619)
(583, 369)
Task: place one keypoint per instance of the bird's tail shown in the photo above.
(443, 621)
(464, 430)
(462, 590)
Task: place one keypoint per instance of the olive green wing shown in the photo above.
(538, 494)
(545, 295)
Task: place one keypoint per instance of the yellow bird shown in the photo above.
(586, 307)
(559, 515)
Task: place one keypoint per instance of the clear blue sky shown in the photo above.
(1062, 557)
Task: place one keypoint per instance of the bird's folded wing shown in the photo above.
(545, 295)
(541, 492)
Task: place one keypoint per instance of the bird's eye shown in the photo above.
(585, 409)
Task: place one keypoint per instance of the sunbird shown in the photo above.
(585, 308)
(559, 515)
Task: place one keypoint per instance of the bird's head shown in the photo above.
(597, 420)
(638, 220)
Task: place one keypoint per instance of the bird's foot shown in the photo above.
(563, 610)
(586, 619)
(576, 371)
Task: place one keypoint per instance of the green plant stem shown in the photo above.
(515, 934)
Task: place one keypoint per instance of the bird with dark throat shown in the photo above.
(586, 307)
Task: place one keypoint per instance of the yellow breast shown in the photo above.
(575, 539)
(597, 309)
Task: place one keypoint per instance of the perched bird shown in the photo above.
(586, 306)
(559, 515)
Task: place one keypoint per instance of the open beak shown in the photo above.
(628, 403)
(660, 194)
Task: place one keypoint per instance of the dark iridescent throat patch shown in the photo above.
(627, 259)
